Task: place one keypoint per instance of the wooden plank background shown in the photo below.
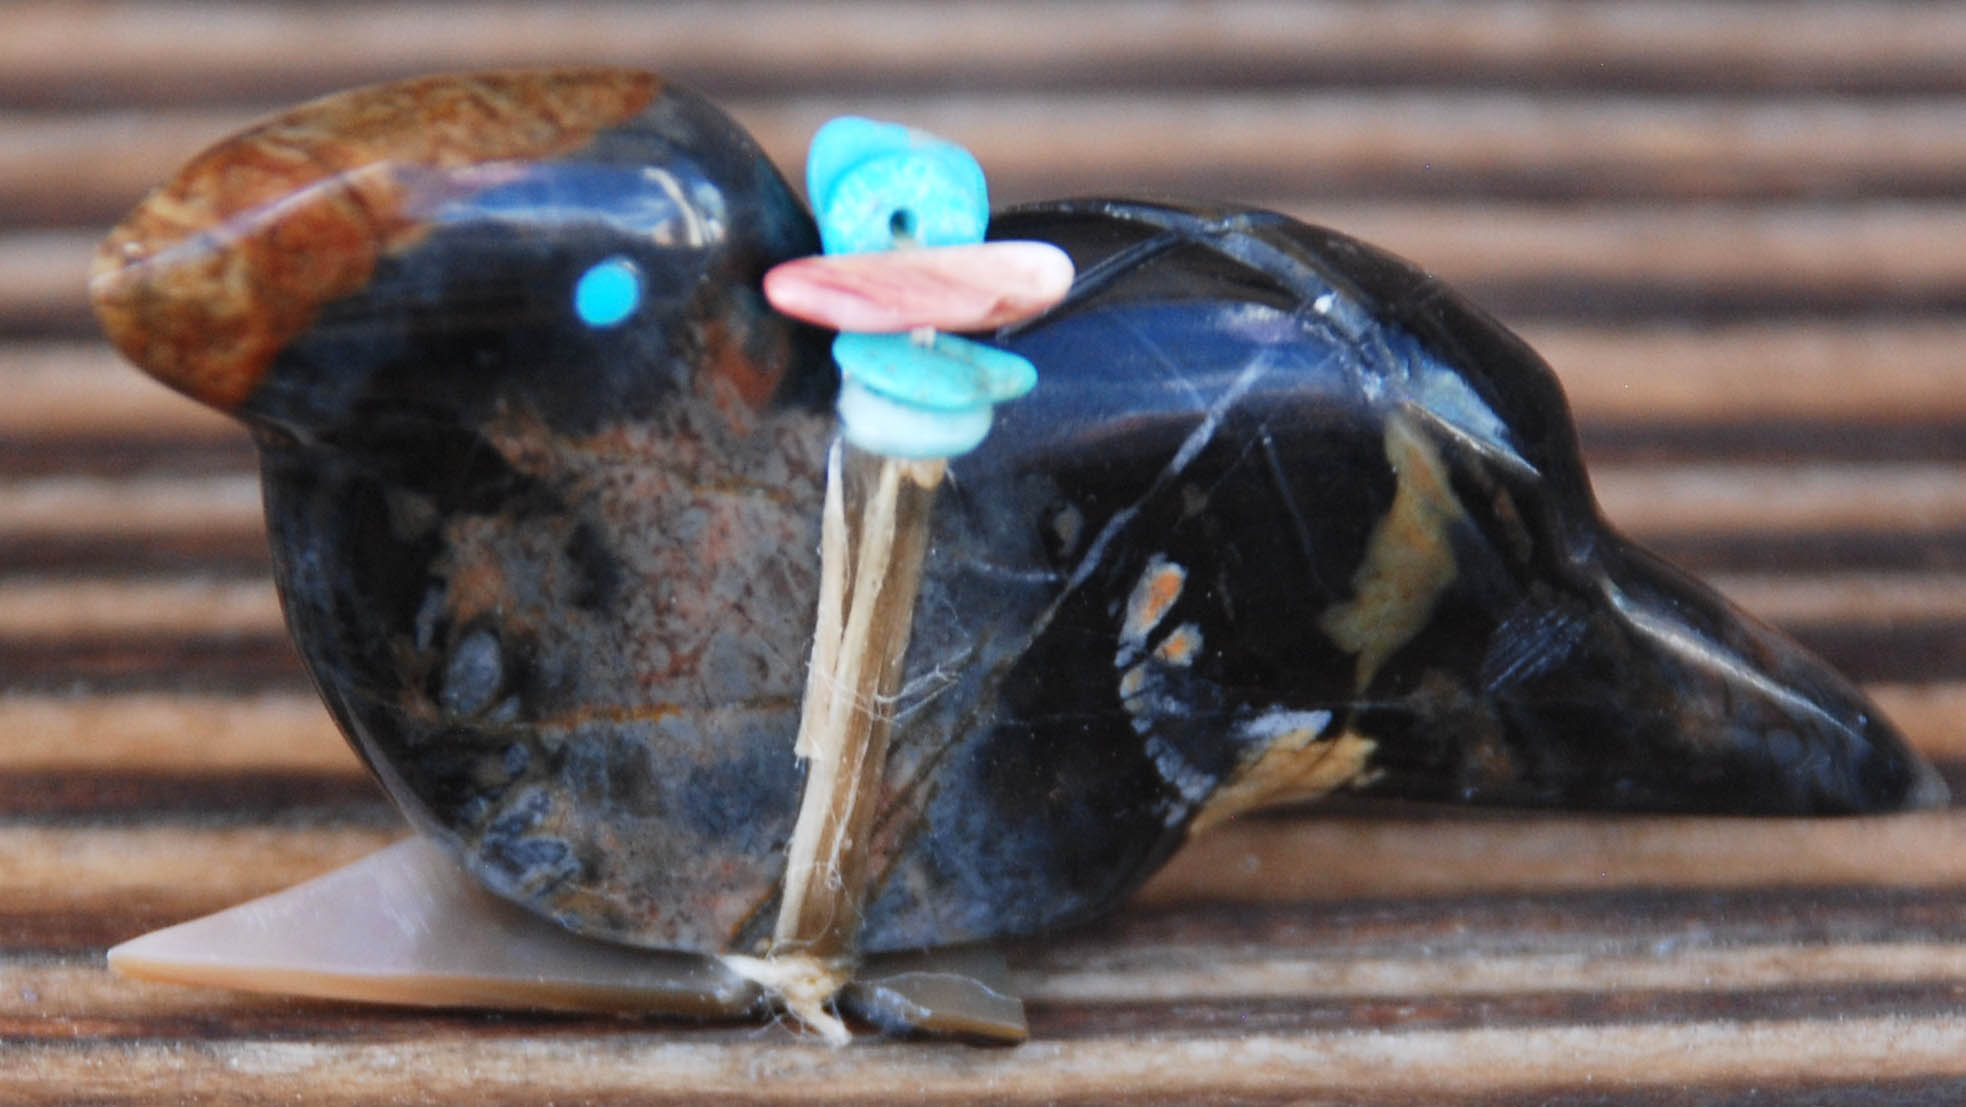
(1738, 229)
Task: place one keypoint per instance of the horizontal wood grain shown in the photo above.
(1199, 974)
(1268, 143)
(214, 49)
(84, 389)
(91, 881)
(1865, 371)
(77, 986)
(44, 281)
(654, 1066)
(1792, 598)
(243, 795)
(1932, 711)
(1717, 498)
(139, 507)
(87, 168)
(238, 552)
(221, 663)
(171, 733)
(1916, 549)
(1619, 920)
(1300, 859)
(1720, 250)
(1735, 229)
(32, 608)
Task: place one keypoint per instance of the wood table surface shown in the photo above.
(1737, 229)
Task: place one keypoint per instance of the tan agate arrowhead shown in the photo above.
(948, 288)
(405, 925)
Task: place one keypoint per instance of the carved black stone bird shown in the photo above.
(1284, 516)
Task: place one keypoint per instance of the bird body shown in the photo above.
(544, 476)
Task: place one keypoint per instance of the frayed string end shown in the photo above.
(803, 985)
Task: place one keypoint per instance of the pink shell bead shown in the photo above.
(951, 288)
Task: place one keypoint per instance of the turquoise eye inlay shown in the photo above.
(608, 292)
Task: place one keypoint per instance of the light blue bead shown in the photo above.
(936, 396)
(608, 292)
(876, 186)
(873, 184)
(948, 374)
(878, 425)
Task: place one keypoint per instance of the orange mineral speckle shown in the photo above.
(215, 272)
(1180, 645)
(1153, 595)
(1296, 767)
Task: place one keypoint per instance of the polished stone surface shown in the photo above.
(1283, 516)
